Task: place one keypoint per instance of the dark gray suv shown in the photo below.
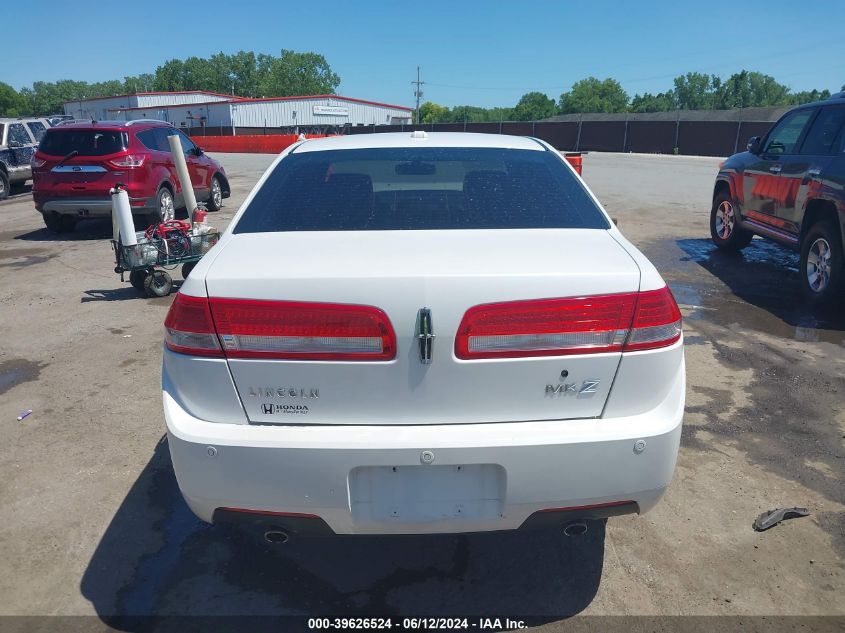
(789, 187)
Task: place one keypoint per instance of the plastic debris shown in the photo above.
(773, 517)
(24, 414)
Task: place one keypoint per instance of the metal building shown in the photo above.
(199, 112)
(101, 108)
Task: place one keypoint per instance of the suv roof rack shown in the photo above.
(136, 121)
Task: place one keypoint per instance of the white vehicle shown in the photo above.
(422, 333)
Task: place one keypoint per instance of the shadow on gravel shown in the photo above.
(765, 275)
(157, 559)
(99, 229)
(125, 292)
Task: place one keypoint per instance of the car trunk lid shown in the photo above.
(402, 273)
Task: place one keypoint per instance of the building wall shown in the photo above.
(177, 98)
(99, 109)
(314, 112)
(105, 108)
(270, 114)
(216, 114)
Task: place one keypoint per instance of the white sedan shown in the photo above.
(422, 333)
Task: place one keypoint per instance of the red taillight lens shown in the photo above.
(37, 163)
(302, 331)
(278, 329)
(189, 328)
(577, 325)
(545, 327)
(657, 323)
(130, 161)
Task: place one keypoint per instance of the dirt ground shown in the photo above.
(93, 523)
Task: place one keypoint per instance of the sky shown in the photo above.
(470, 53)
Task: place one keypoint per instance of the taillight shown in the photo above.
(37, 163)
(130, 161)
(657, 322)
(303, 331)
(294, 330)
(576, 325)
(189, 329)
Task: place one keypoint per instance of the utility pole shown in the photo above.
(418, 94)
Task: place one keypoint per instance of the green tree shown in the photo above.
(534, 106)
(747, 89)
(49, 97)
(469, 114)
(808, 96)
(594, 95)
(434, 113)
(145, 82)
(294, 74)
(12, 103)
(695, 91)
(647, 102)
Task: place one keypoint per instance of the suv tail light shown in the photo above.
(130, 161)
(578, 325)
(278, 330)
(37, 163)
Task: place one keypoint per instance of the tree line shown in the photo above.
(243, 73)
(693, 91)
(291, 73)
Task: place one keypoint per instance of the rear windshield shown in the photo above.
(420, 189)
(58, 142)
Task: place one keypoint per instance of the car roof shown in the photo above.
(418, 139)
(21, 119)
(111, 125)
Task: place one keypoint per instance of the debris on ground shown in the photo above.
(773, 517)
(24, 414)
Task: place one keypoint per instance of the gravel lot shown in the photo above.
(93, 522)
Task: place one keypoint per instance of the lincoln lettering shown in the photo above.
(284, 392)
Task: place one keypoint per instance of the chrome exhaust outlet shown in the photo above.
(276, 537)
(576, 528)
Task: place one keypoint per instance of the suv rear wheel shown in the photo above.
(58, 223)
(821, 264)
(4, 185)
(165, 207)
(724, 229)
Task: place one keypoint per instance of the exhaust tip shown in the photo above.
(576, 528)
(276, 537)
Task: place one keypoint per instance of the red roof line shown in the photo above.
(150, 94)
(263, 99)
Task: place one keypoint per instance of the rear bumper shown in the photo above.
(336, 474)
(90, 207)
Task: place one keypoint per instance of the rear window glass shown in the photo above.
(420, 189)
(38, 130)
(58, 142)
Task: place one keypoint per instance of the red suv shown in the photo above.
(77, 163)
